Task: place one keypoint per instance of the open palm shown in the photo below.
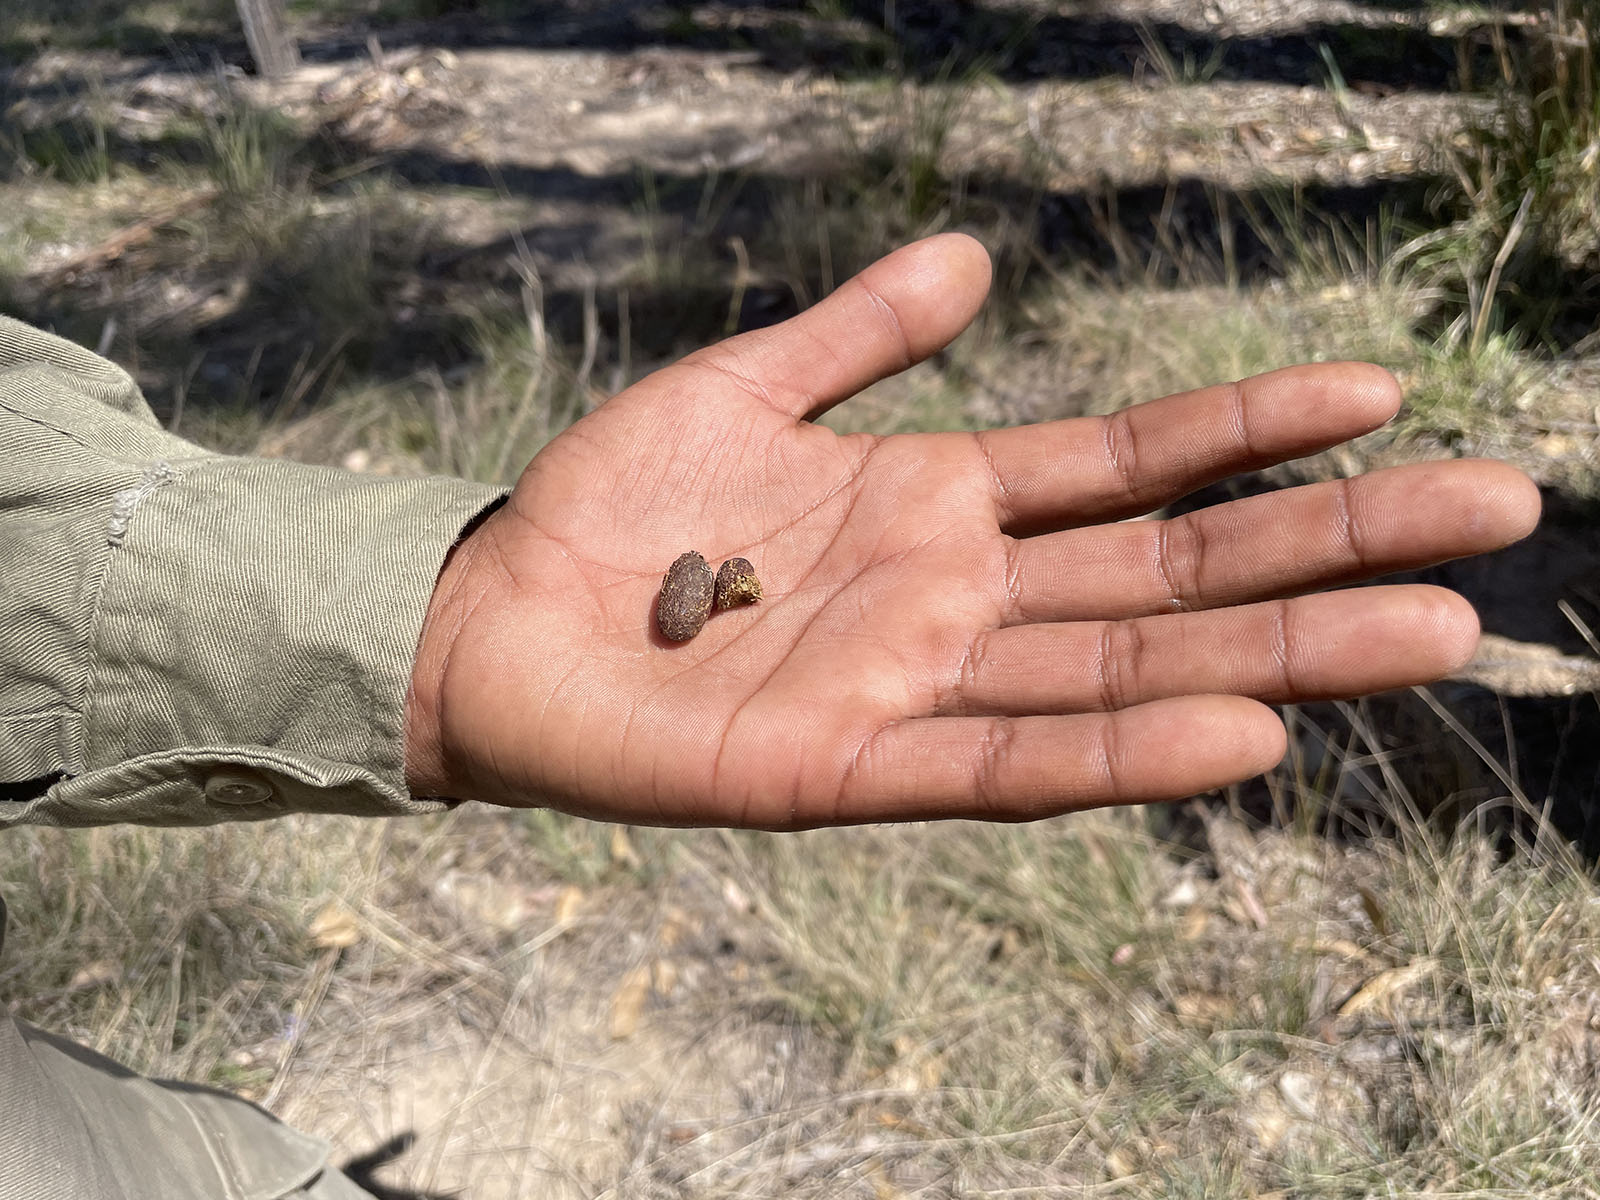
(955, 624)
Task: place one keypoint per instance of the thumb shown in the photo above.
(894, 314)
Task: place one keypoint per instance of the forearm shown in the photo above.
(188, 637)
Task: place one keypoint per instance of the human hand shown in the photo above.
(955, 624)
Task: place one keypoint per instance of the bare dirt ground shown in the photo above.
(615, 1028)
(544, 130)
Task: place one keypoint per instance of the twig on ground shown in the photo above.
(102, 254)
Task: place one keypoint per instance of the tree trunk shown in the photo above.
(273, 49)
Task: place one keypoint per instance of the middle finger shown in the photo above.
(1268, 546)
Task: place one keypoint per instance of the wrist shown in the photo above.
(455, 596)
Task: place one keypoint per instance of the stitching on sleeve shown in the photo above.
(157, 474)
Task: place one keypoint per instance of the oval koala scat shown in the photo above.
(737, 584)
(685, 599)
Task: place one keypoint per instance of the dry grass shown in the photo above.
(1519, 257)
(1174, 1002)
(1082, 1004)
(171, 949)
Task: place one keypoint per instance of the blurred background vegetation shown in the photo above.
(459, 226)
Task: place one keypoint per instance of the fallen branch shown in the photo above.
(102, 254)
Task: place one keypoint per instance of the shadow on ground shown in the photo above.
(1548, 747)
(363, 1171)
(388, 292)
(922, 39)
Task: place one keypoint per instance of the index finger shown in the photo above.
(1090, 469)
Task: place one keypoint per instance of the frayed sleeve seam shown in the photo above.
(157, 474)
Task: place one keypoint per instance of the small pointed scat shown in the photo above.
(685, 599)
(737, 584)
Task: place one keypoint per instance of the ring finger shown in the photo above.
(1311, 648)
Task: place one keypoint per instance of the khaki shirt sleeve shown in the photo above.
(187, 637)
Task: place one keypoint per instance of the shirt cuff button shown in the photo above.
(236, 788)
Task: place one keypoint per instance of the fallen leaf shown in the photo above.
(96, 974)
(628, 1002)
(1009, 942)
(1193, 926)
(622, 851)
(1202, 1008)
(675, 924)
(335, 927)
(1325, 1098)
(1182, 894)
(1373, 907)
(735, 898)
(891, 1120)
(568, 903)
(882, 1189)
(1119, 1164)
(1249, 904)
(1554, 445)
(1382, 989)
(663, 976)
(1343, 947)
(1299, 1090)
(481, 899)
(1267, 1124)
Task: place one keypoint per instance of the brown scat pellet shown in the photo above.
(685, 599)
(737, 583)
